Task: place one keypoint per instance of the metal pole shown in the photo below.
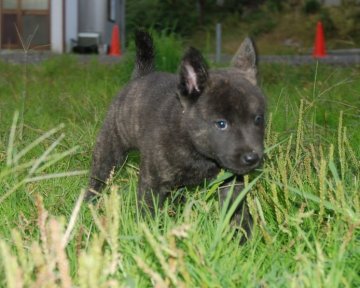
(218, 43)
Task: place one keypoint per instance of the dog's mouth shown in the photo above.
(242, 169)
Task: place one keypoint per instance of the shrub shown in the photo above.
(311, 7)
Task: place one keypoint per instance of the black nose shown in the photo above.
(250, 158)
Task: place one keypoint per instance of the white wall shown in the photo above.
(71, 22)
(0, 31)
(56, 26)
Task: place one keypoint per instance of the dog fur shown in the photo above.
(186, 127)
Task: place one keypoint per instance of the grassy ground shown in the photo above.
(305, 200)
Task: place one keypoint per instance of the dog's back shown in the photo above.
(143, 108)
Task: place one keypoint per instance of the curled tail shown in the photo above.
(145, 54)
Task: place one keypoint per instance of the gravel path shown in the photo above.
(335, 57)
(344, 57)
(19, 57)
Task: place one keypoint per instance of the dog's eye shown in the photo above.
(259, 119)
(221, 124)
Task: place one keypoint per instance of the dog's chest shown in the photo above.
(197, 173)
(189, 172)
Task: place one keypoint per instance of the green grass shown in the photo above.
(306, 203)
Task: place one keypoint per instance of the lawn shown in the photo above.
(305, 199)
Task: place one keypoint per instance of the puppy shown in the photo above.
(186, 126)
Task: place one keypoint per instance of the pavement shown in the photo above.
(343, 57)
(35, 57)
(343, 60)
(347, 57)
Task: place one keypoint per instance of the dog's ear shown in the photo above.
(193, 76)
(245, 59)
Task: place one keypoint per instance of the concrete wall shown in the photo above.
(93, 17)
(71, 22)
(120, 20)
(0, 30)
(56, 26)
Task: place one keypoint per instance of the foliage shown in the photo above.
(180, 16)
(285, 26)
(168, 49)
(184, 17)
(346, 19)
(311, 6)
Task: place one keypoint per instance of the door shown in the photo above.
(25, 23)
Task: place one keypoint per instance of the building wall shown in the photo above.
(0, 29)
(56, 26)
(93, 17)
(71, 23)
(120, 20)
(82, 16)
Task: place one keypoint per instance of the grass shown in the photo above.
(305, 204)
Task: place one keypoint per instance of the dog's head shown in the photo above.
(223, 110)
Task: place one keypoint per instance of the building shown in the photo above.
(331, 2)
(55, 24)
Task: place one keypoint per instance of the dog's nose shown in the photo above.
(250, 158)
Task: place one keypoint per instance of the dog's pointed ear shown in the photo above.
(193, 76)
(245, 59)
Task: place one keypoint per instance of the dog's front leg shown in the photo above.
(150, 195)
(241, 218)
(109, 154)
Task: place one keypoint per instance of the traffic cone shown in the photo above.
(319, 48)
(115, 49)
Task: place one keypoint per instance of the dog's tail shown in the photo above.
(145, 54)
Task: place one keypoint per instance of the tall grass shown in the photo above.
(25, 172)
(305, 201)
(307, 228)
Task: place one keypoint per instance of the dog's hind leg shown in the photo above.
(109, 154)
(241, 219)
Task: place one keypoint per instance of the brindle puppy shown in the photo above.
(186, 126)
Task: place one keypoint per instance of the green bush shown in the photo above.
(178, 16)
(168, 50)
(311, 7)
(329, 26)
(346, 19)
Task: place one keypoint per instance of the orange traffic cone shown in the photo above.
(115, 49)
(319, 48)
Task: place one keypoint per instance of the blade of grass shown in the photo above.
(310, 196)
(37, 141)
(45, 154)
(54, 158)
(66, 237)
(10, 150)
(56, 175)
(226, 214)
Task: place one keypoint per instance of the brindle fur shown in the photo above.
(172, 121)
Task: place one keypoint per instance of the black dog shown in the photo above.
(186, 127)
